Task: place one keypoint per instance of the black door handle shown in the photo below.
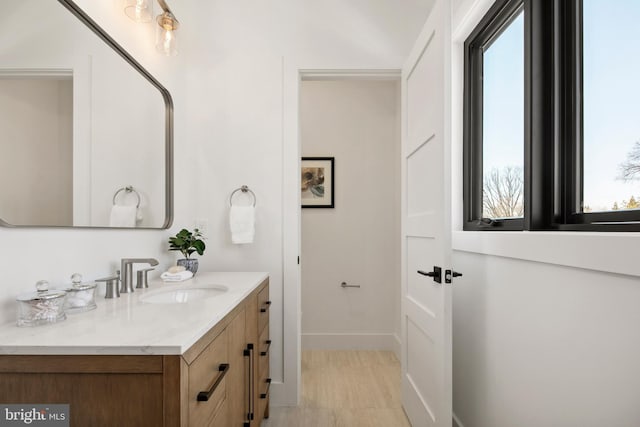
(436, 274)
(448, 274)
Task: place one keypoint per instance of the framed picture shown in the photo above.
(316, 184)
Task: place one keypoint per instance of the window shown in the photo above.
(611, 129)
(503, 123)
(551, 135)
(495, 76)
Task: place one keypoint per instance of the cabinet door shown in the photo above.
(205, 375)
(237, 379)
(102, 391)
(252, 340)
(264, 388)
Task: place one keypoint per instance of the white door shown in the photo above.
(426, 225)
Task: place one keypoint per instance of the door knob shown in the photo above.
(436, 274)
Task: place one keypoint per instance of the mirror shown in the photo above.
(87, 132)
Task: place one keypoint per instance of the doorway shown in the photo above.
(350, 253)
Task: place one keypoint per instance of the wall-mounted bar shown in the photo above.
(344, 285)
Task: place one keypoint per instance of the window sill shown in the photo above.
(608, 252)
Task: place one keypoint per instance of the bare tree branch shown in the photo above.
(630, 168)
(503, 193)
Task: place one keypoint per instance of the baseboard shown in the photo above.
(456, 421)
(397, 346)
(278, 395)
(349, 342)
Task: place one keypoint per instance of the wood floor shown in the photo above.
(346, 389)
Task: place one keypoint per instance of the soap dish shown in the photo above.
(41, 307)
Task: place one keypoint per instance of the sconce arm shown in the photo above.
(164, 6)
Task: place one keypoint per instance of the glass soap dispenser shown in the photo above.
(80, 296)
(41, 307)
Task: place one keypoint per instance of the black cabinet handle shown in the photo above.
(266, 392)
(204, 396)
(264, 353)
(264, 309)
(248, 352)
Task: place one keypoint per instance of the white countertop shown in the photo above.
(127, 325)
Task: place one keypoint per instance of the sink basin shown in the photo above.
(183, 295)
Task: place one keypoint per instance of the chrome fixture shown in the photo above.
(345, 285)
(142, 280)
(111, 283)
(166, 41)
(128, 190)
(126, 268)
(245, 189)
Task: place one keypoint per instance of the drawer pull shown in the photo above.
(264, 309)
(204, 396)
(266, 392)
(264, 353)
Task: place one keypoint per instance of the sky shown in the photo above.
(611, 98)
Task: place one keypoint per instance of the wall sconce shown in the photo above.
(141, 11)
(138, 10)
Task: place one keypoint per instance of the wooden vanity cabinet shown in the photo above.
(264, 347)
(225, 368)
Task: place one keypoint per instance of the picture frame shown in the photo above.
(317, 183)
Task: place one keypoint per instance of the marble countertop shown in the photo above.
(128, 325)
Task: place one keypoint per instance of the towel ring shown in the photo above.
(244, 189)
(128, 189)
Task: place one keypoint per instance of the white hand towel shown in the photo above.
(123, 216)
(242, 220)
(176, 277)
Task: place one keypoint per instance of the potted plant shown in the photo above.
(188, 242)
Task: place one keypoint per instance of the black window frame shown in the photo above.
(499, 17)
(553, 154)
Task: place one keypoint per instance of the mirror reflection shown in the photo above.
(85, 136)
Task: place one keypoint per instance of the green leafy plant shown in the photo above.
(187, 242)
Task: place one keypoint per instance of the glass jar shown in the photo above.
(41, 307)
(80, 296)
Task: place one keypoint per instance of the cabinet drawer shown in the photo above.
(263, 309)
(264, 390)
(204, 373)
(264, 350)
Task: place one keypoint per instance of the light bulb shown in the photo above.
(166, 41)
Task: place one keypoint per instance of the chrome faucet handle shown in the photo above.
(111, 284)
(142, 278)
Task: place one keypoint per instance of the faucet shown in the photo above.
(126, 268)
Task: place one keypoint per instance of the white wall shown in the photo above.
(228, 84)
(244, 58)
(357, 122)
(125, 148)
(537, 344)
(544, 324)
(36, 170)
